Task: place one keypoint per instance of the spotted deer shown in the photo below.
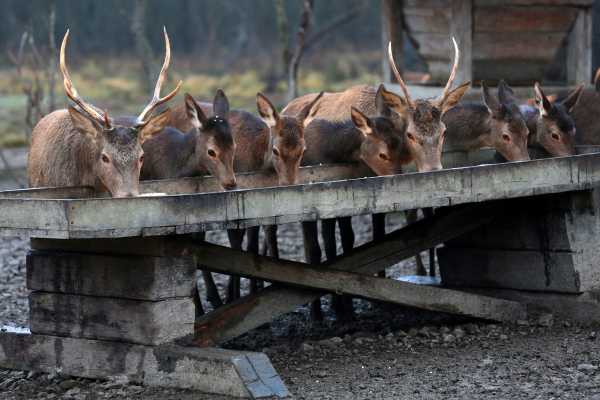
(83, 146)
(269, 142)
(497, 123)
(417, 126)
(552, 124)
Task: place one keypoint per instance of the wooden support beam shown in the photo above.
(461, 28)
(579, 49)
(252, 311)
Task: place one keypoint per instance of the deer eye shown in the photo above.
(275, 152)
(506, 137)
(212, 153)
(384, 156)
(105, 158)
(411, 136)
(142, 159)
(555, 136)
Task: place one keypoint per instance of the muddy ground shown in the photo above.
(386, 353)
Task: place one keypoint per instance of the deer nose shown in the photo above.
(230, 185)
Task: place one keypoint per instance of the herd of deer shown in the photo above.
(84, 146)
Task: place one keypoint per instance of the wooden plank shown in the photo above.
(427, 20)
(229, 261)
(95, 218)
(538, 271)
(252, 311)
(92, 317)
(461, 28)
(127, 277)
(500, 20)
(516, 45)
(216, 371)
(579, 49)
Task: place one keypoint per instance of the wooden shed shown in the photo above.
(517, 40)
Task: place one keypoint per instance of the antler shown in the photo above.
(452, 72)
(72, 93)
(156, 99)
(398, 76)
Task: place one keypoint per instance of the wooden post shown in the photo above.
(392, 29)
(461, 27)
(579, 49)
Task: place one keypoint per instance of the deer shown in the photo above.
(497, 123)
(81, 146)
(270, 142)
(419, 127)
(552, 124)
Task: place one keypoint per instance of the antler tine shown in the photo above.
(156, 99)
(453, 71)
(397, 74)
(70, 89)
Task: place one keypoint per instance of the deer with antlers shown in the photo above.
(83, 146)
(415, 125)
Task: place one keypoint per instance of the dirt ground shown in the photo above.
(386, 353)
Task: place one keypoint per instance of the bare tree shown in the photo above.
(296, 57)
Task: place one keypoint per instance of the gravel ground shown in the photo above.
(386, 353)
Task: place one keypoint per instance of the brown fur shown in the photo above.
(68, 152)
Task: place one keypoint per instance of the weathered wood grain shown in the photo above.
(579, 50)
(92, 317)
(126, 277)
(461, 28)
(95, 218)
(216, 371)
(525, 20)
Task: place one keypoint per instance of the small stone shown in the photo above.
(459, 333)
(546, 320)
(444, 329)
(359, 341)
(522, 322)
(486, 362)
(503, 337)
(586, 367)
(413, 332)
(448, 338)
(567, 324)
(307, 347)
(321, 374)
(68, 384)
(389, 337)
(592, 335)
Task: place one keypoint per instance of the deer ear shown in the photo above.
(388, 102)
(221, 105)
(307, 114)
(571, 101)
(361, 121)
(542, 102)
(454, 97)
(267, 111)
(155, 125)
(83, 123)
(194, 112)
(492, 104)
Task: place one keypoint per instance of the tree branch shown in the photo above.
(299, 49)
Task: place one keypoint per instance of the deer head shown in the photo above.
(508, 128)
(424, 127)
(555, 126)
(215, 147)
(383, 137)
(286, 141)
(119, 151)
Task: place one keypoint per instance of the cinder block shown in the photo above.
(129, 277)
(134, 321)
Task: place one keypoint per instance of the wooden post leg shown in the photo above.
(378, 221)
(236, 237)
(197, 301)
(252, 246)
(342, 304)
(312, 255)
(212, 293)
(271, 240)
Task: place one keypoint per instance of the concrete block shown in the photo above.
(130, 277)
(209, 370)
(135, 321)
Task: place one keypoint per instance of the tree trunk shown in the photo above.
(299, 50)
(142, 45)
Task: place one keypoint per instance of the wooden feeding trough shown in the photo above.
(516, 40)
(112, 279)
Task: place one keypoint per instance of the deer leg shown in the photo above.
(312, 255)
(429, 212)
(212, 293)
(378, 221)
(252, 247)
(412, 217)
(236, 237)
(342, 304)
(271, 240)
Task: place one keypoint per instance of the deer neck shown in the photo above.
(188, 155)
(468, 127)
